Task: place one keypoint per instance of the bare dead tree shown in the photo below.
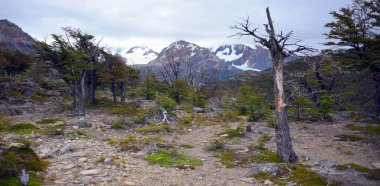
(278, 45)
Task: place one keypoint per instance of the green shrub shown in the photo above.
(167, 103)
(239, 131)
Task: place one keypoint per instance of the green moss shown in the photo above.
(54, 130)
(231, 159)
(172, 158)
(15, 159)
(345, 137)
(118, 124)
(101, 159)
(226, 116)
(373, 174)
(49, 121)
(271, 122)
(262, 139)
(299, 174)
(78, 134)
(135, 143)
(39, 96)
(303, 176)
(24, 128)
(123, 109)
(353, 127)
(154, 128)
(5, 122)
(217, 144)
(372, 129)
(186, 121)
(15, 181)
(184, 145)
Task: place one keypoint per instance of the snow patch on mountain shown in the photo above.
(245, 68)
(139, 55)
(228, 54)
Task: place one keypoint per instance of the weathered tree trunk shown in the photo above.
(122, 93)
(376, 96)
(283, 139)
(90, 87)
(80, 94)
(113, 90)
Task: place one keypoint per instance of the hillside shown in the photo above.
(13, 38)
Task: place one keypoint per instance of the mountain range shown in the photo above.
(227, 60)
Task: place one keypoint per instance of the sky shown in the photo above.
(123, 24)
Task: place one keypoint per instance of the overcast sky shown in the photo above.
(157, 23)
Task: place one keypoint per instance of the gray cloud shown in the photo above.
(157, 23)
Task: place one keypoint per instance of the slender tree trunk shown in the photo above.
(376, 96)
(113, 90)
(80, 94)
(122, 93)
(90, 87)
(283, 139)
(93, 85)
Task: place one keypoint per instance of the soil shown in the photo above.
(315, 144)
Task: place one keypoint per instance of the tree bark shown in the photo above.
(376, 96)
(283, 139)
(122, 93)
(113, 90)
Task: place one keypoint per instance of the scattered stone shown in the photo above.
(16, 144)
(291, 184)
(84, 123)
(81, 160)
(185, 167)
(267, 182)
(263, 130)
(248, 180)
(69, 166)
(90, 172)
(65, 149)
(265, 167)
(306, 158)
(129, 183)
(198, 110)
(108, 161)
(376, 165)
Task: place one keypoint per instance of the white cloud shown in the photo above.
(157, 23)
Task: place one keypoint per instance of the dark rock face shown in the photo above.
(201, 58)
(13, 38)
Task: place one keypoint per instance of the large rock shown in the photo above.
(265, 167)
(84, 123)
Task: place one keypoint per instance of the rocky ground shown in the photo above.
(89, 158)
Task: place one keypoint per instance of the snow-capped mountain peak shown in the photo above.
(139, 55)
